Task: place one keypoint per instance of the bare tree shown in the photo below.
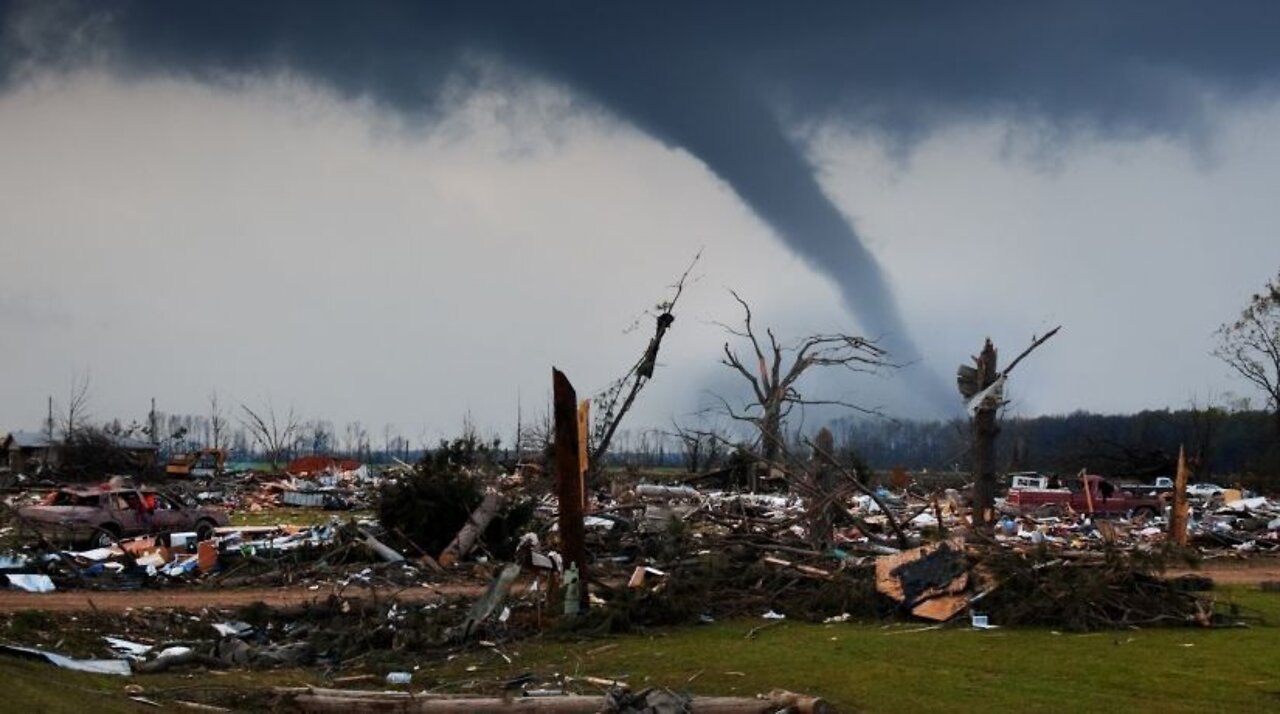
(76, 414)
(778, 369)
(320, 437)
(273, 433)
(388, 438)
(703, 448)
(1251, 344)
(534, 437)
(1205, 423)
(351, 437)
(217, 423)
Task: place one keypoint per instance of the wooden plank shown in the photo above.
(1178, 518)
(584, 422)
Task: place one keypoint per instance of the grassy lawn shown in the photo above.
(32, 687)
(900, 668)
(864, 667)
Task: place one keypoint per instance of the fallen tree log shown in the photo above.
(312, 699)
(166, 662)
(470, 532)
(383, 551)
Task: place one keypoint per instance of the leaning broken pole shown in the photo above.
(569, 482)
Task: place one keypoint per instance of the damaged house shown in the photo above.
(33, 451)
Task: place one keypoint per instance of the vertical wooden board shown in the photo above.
(1178, 518)
(584, 420)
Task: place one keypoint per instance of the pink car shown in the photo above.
(102, 516)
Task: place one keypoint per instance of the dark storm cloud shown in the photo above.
(724, 81)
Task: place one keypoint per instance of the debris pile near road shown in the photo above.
(333, 553)
(1242, 524)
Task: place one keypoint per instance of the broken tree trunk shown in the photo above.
(822, 509)
(466, 538)
(982, 385)
(852, 478)
(985, 430)
(569, 481)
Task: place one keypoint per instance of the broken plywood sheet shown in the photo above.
(941, 608)
(919, 574)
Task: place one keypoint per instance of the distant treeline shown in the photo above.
(1219, 443)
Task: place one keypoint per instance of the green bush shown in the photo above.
(432, 504)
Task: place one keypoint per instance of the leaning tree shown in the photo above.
(616, 400)
(777, 369)
(1251, 344)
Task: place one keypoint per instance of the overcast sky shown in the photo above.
(181, 214)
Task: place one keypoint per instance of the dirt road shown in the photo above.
(1236, 572)
(194, 599)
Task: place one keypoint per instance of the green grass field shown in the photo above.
(902, 668)
(862, 667)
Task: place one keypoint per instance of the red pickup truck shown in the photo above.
(1103, 497)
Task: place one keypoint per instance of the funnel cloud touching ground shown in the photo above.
(736, 86)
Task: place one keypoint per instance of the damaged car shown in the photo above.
(101, 516)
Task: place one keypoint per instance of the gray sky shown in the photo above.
(180, 221)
